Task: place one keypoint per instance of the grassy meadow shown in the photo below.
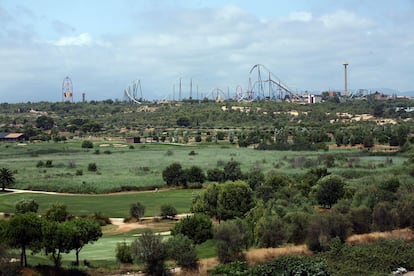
(121, 168)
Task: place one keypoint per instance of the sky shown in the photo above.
(106, 45)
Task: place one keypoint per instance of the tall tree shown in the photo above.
(329, 189)
(149, 249)
(24, 231)
(234, 200)
(88, 231)
(58, 238)
(6, 178)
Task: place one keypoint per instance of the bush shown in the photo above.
(40, 164)
(137, 210)
(49, 164)
(26, 205)
(198, 228)
(123, 253)
(167, 210)
(181, 249)
(92, 167)
(230, 242)
(79, 172)
(174, 175)
(86, 144)
(101, 219)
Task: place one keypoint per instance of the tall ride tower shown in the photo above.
(345, 64)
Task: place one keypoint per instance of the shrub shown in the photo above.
(123, 253)
(107, 152)
(86, 144)
(40, 164)
(137, 210)
(49, 164)
(230, 242)
(92, 167)
(79, 172)
(150, 250)
(198, 228)
(97, 151)
(167, 210)
(181, 249)
(26, 205)
(101, 219)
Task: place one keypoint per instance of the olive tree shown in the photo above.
(329, 190)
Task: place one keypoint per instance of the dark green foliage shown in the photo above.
(92, 167)
(296, 225)
(137, 210)
(87, 231)
(383, 217)
(182, 250)
(101, 218)
(26, 205)
(234, 200)
(197, 227)
(292, 265)
(207, 202)
(230, 242)
(6, 178)
(49, 164)
(286, 265)
(329, 190)
(183, 122)
(361, 219)
(23, 231)
(215, 174)
(195, 175)
(323, 227)
(390, 185)
(44, 122)
(174, 175)
(270, 232)
(378, 258)
(86, 144)
(123, 253)
(234, 268)
(168, 211)
(232, 171)
(255, 178)
(150, 250)
(56, 212)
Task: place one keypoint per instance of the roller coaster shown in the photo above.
(132, 91)
(263, 85)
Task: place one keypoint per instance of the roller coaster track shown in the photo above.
(131, 92)
(272, 80)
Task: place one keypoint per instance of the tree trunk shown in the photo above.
(77, 257)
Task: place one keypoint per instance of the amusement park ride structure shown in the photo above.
(259, 88)
(67, 90)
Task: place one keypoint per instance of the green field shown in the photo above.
(114, 205)
(122, 168)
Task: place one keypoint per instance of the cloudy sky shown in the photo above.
(104, 45)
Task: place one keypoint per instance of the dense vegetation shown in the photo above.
(270, 174)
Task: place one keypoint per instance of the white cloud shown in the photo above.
(216, 47)
(300, 16)
(83, 39)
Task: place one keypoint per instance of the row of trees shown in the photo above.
(54, 233)
(110, 116)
